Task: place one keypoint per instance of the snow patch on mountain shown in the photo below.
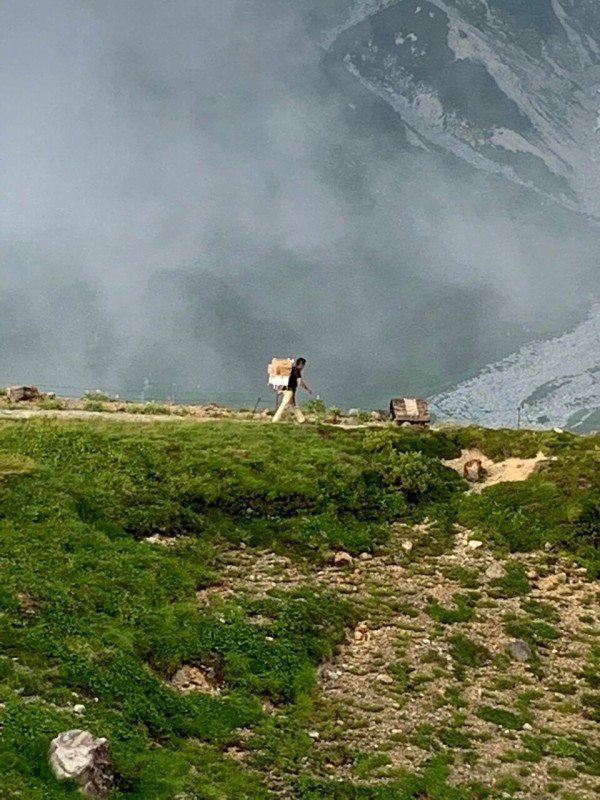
(545, 383)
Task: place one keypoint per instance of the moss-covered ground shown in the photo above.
(131, 551)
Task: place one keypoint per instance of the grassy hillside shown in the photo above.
(129, 552)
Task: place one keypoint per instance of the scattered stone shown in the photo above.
(20, 394)
(365, 557)
(361, 632)
(165, 541)
(495, 571)
(314, 735)
(474, 544)
(79, 756)
(79, 708)
(407, 545)
(551, 582)
(194, 679)
(383, 678)
(236, 753)
(527, 726)
(27, 604)
(473, 470)
(342, 559)
(520, 651)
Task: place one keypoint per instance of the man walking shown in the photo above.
(289, 394)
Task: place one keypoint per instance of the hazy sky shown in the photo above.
(186, 190)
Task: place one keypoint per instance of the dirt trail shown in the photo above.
(123, 416)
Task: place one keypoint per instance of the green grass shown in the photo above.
(149, 408)
(467, 653)
(502, 717)
(535, 632)
(431, 784)
(110, 617)
(514, 584)
(464, 610)
(91, 613)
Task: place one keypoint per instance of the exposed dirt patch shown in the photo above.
(512, 469)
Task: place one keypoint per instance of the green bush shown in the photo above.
(94, 405)
(52, 404)
(100, 397)
(150, 408)
(315, 406)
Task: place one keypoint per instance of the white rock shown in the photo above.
(495, 571)
(79, 708)
(79, 756)
(474, 544)
(407, 545)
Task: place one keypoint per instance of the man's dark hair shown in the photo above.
(300, 361)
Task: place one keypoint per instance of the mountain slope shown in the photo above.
(509, 87)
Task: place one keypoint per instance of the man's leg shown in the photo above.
(298, 412)
(287, 398)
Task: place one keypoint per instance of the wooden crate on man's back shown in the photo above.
(410, 411)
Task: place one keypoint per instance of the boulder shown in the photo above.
(193, 679)
(81, 757)
(519, 651)
(551, 582)
(495, 571)
(20, 394)
(342, 559)
(474, 544)
(473, 470)
(361, 632)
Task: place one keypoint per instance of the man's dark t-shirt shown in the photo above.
(295, 375)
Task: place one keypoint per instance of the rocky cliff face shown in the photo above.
(511, 87)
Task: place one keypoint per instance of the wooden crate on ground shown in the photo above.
(414, 411)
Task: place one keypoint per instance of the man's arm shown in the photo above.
(305, 386)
